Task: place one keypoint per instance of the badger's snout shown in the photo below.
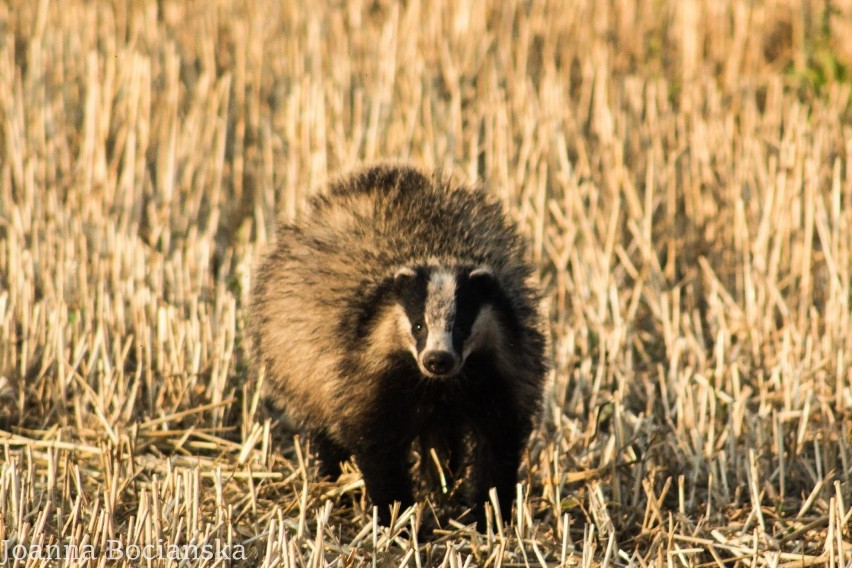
(439, 362)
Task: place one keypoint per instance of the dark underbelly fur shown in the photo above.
(474, 422)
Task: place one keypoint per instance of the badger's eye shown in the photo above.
(418, 326)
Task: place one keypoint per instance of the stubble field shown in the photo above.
(682, 171)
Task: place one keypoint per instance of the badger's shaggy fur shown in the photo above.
(398, 309)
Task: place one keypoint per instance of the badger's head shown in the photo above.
(446, 313)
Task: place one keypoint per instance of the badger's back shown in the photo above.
(326, 277)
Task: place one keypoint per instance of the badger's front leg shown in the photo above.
(330, 454)
(495, 464)
(380, 435)
(501, 433)
(385, 471)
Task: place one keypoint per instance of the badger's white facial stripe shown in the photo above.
(440, 311)
(484, 332)
(439, 342)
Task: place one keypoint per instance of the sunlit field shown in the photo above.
(680, 168)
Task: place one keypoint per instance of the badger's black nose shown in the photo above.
(439, 362)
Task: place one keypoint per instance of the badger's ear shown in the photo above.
(482, 278)
(403, 277)
(481, 272)
(403, 273)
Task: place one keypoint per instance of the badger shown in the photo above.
(400, 309)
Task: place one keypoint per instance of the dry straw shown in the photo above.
(682, 170)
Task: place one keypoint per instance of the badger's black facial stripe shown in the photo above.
(472, 293)
(411, 287)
